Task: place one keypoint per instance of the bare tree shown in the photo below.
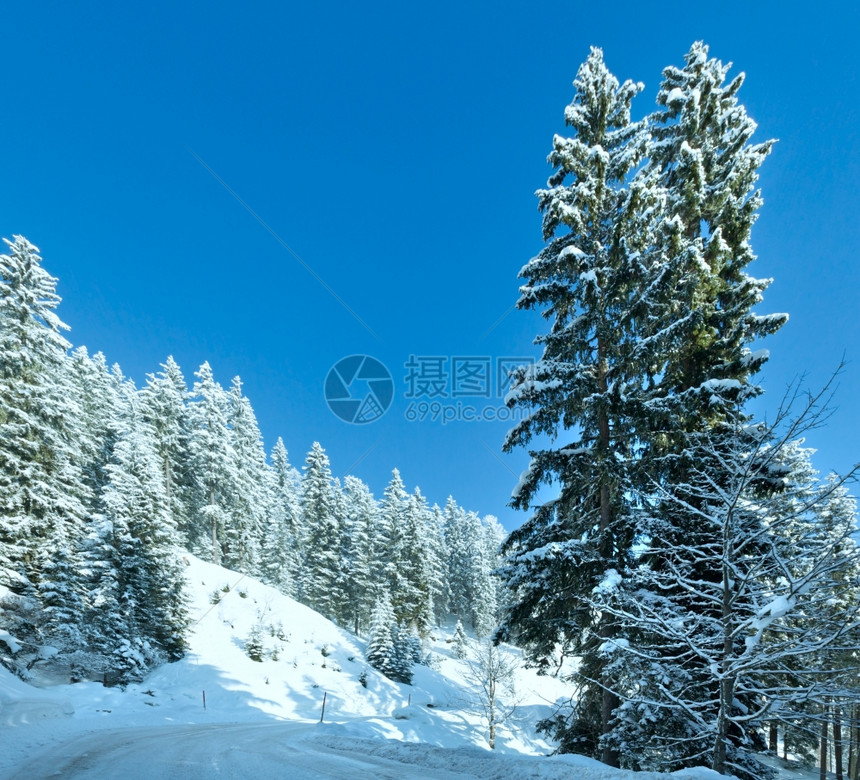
(491, 671)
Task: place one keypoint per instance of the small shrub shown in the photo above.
(362, 678)
(215, 597)
(254, 644)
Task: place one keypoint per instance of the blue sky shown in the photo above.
(395, 148)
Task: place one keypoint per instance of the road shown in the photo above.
(286, 751)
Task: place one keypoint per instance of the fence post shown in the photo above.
(322, 714)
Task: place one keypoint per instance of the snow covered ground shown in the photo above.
(262, 719)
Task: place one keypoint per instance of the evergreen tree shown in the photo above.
(701, 154)
(43, 494)
(436, 555)
(380, 651)
(139, 614)
(320, 571)
(249, 497)
(643, 277)
(213, 464)
(702, 159)
(163, 402)
(361, 517)
(461, 641)
(391, 538)
(281, 550)
(458, 564)
(593, 279)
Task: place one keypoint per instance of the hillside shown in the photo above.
(64, 729)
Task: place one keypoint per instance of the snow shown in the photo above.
(262, 719)
(570, 251)
(610, 582)
(260, 715)
(674, 95)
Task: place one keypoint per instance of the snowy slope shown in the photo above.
(260, 717)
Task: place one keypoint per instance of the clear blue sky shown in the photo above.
(395, 148)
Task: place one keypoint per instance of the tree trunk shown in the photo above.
(773, 736)
(609, 702)
(854, 749)
(727, 683)
(823, 749)
(214, 528)
(837, 742)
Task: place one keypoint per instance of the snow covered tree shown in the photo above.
(213, 464)
(281, 545)
(593, 279)
(138, 612)
(461, 641)
(99, 405)
(716, 657)
(392, 510)
(458, 563)
(701, 154)
(43, 494)
(163, 402)
(249, 499)
(361, 518)
(320, 569)
(437, 562)
(414, 600)
(644, 279)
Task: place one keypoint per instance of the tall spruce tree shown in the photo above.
(43, 494)
(213, 463)
(322, 549)
(250, 497)
(593, 280)
(701, 158)
(163, 402)
(281, 544)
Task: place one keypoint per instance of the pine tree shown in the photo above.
(320, 571)
(249, 499)
(702, 155)
(702, 159)
(213, 463)
(436, 554)
(43, 494)
(594, 279)
(163, 403)
(380, 652)
(361, 517)
(281, 546)
(458, 564)
(139, 612)
(461, 641)
(391, 538)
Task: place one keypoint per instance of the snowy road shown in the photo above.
(259, 751)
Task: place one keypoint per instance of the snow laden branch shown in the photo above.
(743, 597)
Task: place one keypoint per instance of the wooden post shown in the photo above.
(322, 714)
(204, 700)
